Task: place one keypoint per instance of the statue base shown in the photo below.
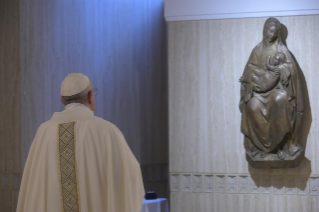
(272, 161)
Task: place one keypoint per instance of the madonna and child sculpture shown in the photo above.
(271, 103)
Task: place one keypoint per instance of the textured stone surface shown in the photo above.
(261, 188)
(195, 202)
(10, 118)
(5, 181)
(209, 183)
(206, 59)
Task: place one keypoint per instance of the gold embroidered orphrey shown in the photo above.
(67, 167)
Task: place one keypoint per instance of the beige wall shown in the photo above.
(10, 145)
(208, 168)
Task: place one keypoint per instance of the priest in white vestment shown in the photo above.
(79, 162)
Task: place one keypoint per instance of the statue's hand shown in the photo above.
(276, 70)
(269, 67)
(241, 80)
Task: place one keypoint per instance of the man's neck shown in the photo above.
(75, 105)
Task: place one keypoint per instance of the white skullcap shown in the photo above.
(74, 83)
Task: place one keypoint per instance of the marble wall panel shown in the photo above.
(195, 202)
(10, 136)
(197, 183)
(267, 193)
(121, 46)
(175, 182)
(243, 184)
(209, 183)
(278, 185)
(314, 186)
(206, 60)
(186, 181)
(289, 185)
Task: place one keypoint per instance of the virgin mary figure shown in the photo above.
(271, 100)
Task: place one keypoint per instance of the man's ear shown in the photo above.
(90, 97)
(62, 101)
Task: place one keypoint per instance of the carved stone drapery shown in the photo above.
(271, 103)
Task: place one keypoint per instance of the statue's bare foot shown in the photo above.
(281, 154)
(264, 154)
(292, 150)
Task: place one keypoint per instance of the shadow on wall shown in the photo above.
(267, 178)
(299, 176)
(135, 87)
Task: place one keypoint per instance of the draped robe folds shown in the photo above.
(109, 176)
(271, 112)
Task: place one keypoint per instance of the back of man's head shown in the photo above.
(77, 88)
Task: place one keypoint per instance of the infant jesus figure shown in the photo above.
(274, 65)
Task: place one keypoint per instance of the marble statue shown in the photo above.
(271, 103)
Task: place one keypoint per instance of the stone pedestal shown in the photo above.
(273, 161)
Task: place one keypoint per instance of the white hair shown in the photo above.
(81, 97)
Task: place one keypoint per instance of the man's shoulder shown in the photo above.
(45, 125)
(94, 121)
(102, 122)
(99, 124)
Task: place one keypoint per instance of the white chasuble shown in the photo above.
(80, 163)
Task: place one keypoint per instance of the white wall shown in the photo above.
(178, 10)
